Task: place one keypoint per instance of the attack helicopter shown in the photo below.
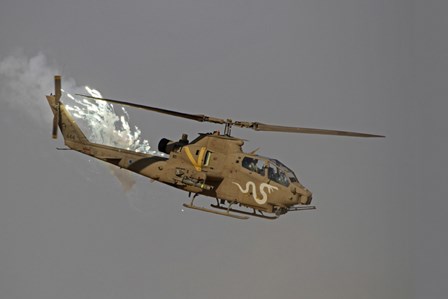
(212, 165)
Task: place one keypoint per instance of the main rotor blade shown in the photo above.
(257, 126)
(196, 117)
(274, 128)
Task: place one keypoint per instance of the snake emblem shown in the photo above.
(263, 186)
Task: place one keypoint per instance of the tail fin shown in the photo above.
(63, 119)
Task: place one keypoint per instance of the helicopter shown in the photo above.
(213, 164)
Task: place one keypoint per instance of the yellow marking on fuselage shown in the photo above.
(197, 164)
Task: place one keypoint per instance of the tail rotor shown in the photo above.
(57, 97)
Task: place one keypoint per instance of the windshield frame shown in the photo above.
(288, 171)
(291, 176)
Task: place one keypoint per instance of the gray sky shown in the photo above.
(67, 230)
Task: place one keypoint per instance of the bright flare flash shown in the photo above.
(105, 126)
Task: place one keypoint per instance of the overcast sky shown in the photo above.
(68, 230)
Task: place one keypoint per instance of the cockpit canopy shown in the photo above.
(271, 168)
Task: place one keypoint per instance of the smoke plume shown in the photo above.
(24, 83)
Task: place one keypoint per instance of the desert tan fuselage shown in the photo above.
(211, 165)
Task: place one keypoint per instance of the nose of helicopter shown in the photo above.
(302, 195)
(308, 198)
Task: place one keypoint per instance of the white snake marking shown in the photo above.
(262, 200)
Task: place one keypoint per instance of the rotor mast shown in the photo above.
(228, 127)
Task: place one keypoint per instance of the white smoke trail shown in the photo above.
(24, 82)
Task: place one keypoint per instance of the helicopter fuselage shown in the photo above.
(212, 165)
(215, 165)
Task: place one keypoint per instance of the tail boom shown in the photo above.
(75, 139)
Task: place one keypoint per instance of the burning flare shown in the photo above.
(103, 125)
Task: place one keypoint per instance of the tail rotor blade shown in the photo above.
(54, 133)
(57, 97)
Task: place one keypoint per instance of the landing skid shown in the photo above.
(227, 210)
(190, 206)
(253, 214)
